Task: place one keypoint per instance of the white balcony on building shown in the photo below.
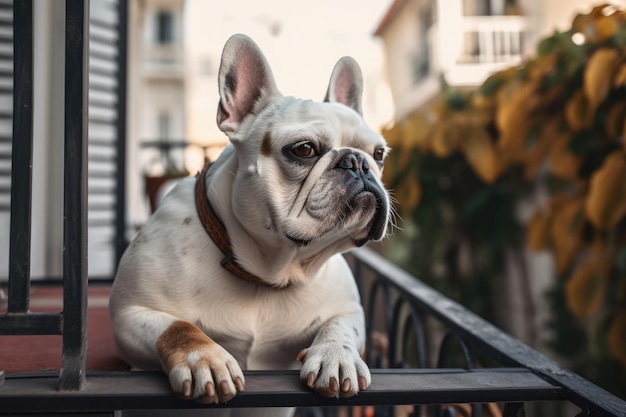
(426, 41)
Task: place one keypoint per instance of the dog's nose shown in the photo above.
(354, 162)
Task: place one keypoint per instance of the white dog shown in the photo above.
(240, 268)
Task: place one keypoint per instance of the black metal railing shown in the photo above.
(71, 322)
(406, 304)
(425, 350)
(18, 320)
(412, 333)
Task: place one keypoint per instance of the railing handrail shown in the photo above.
(494, 23)
(127, 390)
(490, 340)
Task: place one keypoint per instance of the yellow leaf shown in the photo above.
(515, 104)
(620, 76)
(566, 230)
(598, 26)
(615, 119)
(598, 75)
(443, 141)
(538, 231)
(606, 202)
(579, 112)
(481, 154)
(617, 337)
(605, 27)
(586, 290)
(565, 165)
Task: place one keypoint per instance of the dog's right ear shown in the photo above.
(245, 83)
(346, 84)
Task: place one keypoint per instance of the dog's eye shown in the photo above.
(379, 154)
(304, 150)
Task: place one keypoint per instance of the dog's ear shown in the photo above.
(245, 82)
(346, 84)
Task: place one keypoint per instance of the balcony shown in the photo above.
(488, 44)
(163, 62)
(424, 349)
(465, 53)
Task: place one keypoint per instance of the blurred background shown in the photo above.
(506, 119)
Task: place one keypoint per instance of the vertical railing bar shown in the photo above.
(22, 158)
(72, 375)
(122, 94)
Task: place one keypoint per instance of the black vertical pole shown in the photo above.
(22, 157)
(122, 98)
(72, 375)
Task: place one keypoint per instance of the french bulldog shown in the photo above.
(241, 267)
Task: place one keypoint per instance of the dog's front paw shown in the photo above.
(334, 370)
(198, 367)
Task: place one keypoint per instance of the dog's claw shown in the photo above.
(333, 384)
(346, 386)
(239, 384)
(310, 380)
(210, 389)
(225, 393)
(187, 389)
(362, 383)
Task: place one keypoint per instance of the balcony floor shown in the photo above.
(38, 353)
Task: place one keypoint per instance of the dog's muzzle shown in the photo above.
(361, 184)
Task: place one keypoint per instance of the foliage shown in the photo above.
(558, 122)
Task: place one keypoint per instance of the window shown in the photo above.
(164, 27)
(421, 60)
(164, 122)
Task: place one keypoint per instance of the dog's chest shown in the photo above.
(263, 328)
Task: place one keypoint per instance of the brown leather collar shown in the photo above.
(217, 232)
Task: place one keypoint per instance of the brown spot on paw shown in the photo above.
(180, 339)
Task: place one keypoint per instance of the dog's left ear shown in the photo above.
(346, 84)
(245, 82)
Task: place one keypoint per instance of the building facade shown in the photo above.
(463, 41)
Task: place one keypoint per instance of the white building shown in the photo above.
(462, 40)
(156, 98)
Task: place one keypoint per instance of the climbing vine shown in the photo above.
(556, 123)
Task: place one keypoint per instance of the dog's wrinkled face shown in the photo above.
(308, 172)
(313, 171)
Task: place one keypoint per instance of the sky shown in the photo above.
(302, 41)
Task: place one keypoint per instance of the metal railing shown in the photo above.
(493, 39)
(71, 322)
(412, 330)
(408, 306)
(412, 335)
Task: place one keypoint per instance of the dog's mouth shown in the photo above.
(299, 241)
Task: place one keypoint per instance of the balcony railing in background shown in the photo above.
(493, 39)
(163, 61)
(480, 46)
